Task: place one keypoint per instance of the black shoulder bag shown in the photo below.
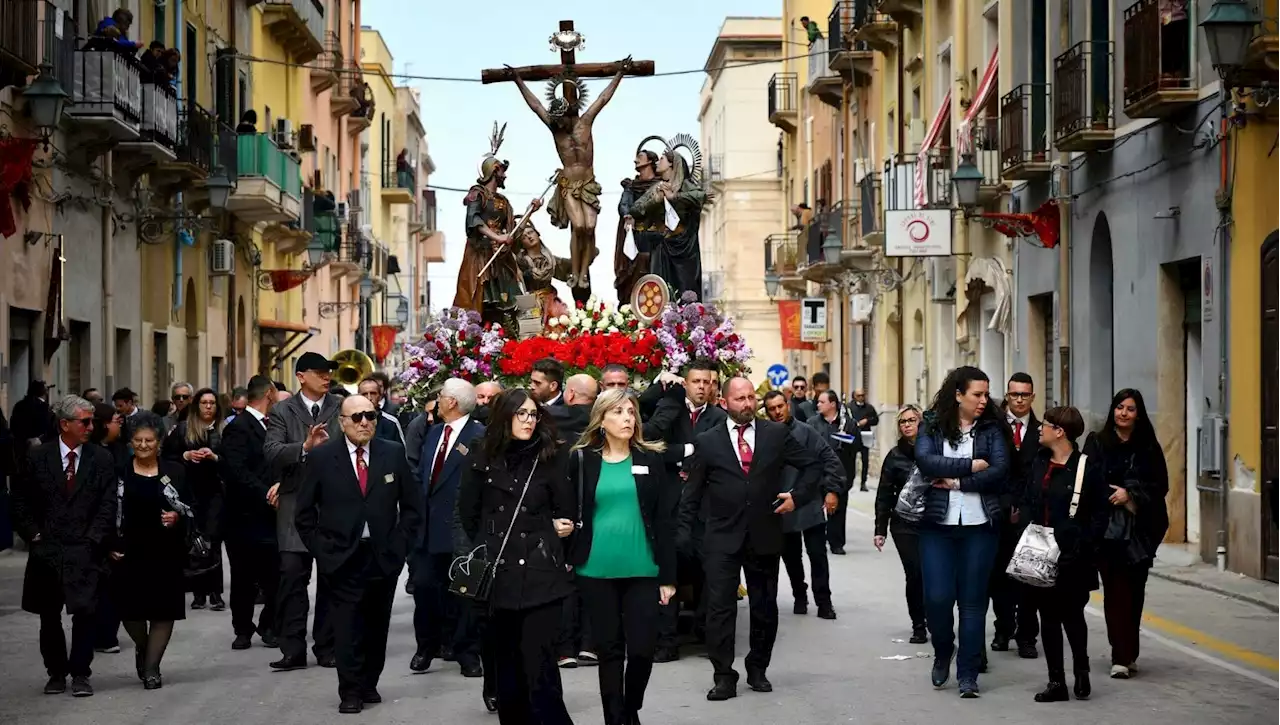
(471, 576)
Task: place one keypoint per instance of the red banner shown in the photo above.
(384, 338)
(789, 320)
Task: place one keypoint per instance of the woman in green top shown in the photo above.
(624, 550)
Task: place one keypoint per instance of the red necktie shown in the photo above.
(693, 416)
(362, 472)
(440, 455)
(744, 449)
(71, 472)
(1017, 434)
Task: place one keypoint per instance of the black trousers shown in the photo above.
(53, 644)
(624, 618)
(1061, 610)
(293, 603)
(1125, 588)
(860, 454)
(575, 628)
(360, 606)
(688, 573)
(761, 573)
(1015, 616)
(437, 614)
(813, 540)
(907, 542)
(254, 565)
(106, 628)
(524, 657)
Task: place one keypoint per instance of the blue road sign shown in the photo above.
(778, 375)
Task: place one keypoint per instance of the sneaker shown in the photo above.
(1119, 672)
(1133, 668)
(55, 686)
(588, 659)
(216, 604)
(969, 689)
(800, 607)
(112, 650)
(567, 663)
(80, 687)
(198, 602)
(941, 672)
(919, 636)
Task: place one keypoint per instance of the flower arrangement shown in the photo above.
(592, 317)
(587, 352)
(695, 329)
(455, 345)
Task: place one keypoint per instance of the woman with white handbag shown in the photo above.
(1065, 504)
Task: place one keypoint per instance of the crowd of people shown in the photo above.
(573, 522)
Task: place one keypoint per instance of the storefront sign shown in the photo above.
(917, 233)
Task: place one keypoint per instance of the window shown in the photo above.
(161, 23)
(891, 134)
(191, 83)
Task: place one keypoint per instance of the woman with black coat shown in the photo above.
(1078, 518)
(624, 551)
(516, 480)
(1137, 480)
(107, 427)
(894, 472)
(194, 442)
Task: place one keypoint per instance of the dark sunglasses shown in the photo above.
(368, 415)
(83, 421)
(182, 397)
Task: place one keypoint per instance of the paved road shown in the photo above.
(1205, 658)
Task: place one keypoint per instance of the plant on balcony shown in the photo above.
(786, 258)
(1101, 115)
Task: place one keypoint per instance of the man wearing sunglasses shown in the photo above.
(180, 395)
(66, 508)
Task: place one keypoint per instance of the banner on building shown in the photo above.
(813, 319)
(789, 323)
(917, 233)
(384, 338)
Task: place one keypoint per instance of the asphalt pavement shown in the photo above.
(1205, 657)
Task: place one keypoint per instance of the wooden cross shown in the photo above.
(568, 62)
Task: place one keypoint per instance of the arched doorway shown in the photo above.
(1270, 401)
(1100, 324)
(192, 323)
(242, 344)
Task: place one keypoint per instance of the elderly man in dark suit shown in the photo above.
(736, 476)
(251, 522)
(296, 426)
(65, 506)
(359, 511)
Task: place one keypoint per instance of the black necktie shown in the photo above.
(315, 411)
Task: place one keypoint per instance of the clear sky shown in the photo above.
(458, 39)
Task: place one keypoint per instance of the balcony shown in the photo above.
(851, 58)
(158, 132)
(270, 182)
(433, 248)
(194, 150)
(715, 168)
(875, 28)
(107, 95)
(824, 83)
(904, 11)
(1024, 133)
(871, 214)
(1082, 84)
(1157, 64)
(59, 47)
(783, 111)
(19, 39)
(326, 69)
(899, 181)
(362, 110)
(298, 25)
(341, 99)
(985, 146)
(352, 251)
(422, 217)
(838, 226)
(782, 257)
(398, 184)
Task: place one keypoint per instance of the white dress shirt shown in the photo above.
(1026, 426)
(963, 508)
(749, 435)
(351, 453)
(688, 447)
(79, 451)
(454, 429)
(258, 416)
(308, 403)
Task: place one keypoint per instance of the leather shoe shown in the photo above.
(758, 682)
(837, 550)
(446, 653)
(351, 705)
(826, 611)
(329, 661)
(285, 664)
(1028, 651)
(490, 702)
(472, 669)
(723, 690)
(370, 697)
(666, 654)
(242, 641)
(55, 686)
(420, 663)
(1000, 643)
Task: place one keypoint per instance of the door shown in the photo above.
(22, 363)
(1270, 402)
(1195, 409)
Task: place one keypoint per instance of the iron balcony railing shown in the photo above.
(226, 151)
(312, 15)
(394, 177)
(159, 113)
(820, 59)
(900, 180)
(782, 93)
(985, 147)
(1082, 89)
(107, 83)
(781, 253)
(195, 136)
(332, 59)
(1024, 125)
(872, 211)
(20, 34)
(59, 45)
(715, 167)
(259, 156)
(1154, 60)
(843, 23)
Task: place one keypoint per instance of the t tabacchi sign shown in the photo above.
(917, 233)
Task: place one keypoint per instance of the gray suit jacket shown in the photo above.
(287, 429)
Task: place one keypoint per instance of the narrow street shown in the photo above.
(1205, 657)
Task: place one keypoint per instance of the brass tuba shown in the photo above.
(353, 366)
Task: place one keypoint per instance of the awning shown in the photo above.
(922, 156)
(287, 337)
(988, 86)
(992, 274)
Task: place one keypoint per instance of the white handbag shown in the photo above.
(1035, 560)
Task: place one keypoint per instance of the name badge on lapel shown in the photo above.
(461, 449)
(639, 470)
(164, 480)
(389, 478)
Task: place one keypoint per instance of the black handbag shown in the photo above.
(471, 576)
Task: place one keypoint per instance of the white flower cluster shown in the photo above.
(593, 317)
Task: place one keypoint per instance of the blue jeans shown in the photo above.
(956, 565)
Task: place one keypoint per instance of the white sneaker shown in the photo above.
(1133, 668)
(587, 659)
(568, 663)
(1119, 672)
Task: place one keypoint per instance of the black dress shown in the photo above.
(204, 481)
(149, 582)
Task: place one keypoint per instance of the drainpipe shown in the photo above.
(179, 37)
(961, 256)
(902, 294)
(1224, 328)
(108, 299)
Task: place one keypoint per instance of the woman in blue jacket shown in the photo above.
(964, 450)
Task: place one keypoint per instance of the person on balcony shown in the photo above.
(811, 29)
(404, 170)
(248, 122)
(153, 62)
(115, 31)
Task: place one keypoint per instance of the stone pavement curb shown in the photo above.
(1189, 580)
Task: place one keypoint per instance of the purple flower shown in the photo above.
(689, 296)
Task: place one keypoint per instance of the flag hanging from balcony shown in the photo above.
(15, 179)
(964, 138)
(1043, 223)
(384, 338)
(922, 156)
(283, 280)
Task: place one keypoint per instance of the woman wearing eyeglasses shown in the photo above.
(194, 442)
(894, 472)
(515, 488)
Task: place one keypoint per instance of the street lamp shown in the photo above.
(315, 251)
(771, 282)
(219, 187)
(1228, 29)
(831, 247)
(366, 289)
(402, 313)
(967, 180)
(45, 100)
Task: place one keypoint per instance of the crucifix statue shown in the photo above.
(576, 200)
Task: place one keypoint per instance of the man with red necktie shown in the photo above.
(360, 514)
(1015, 622)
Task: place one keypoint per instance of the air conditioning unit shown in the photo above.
(307, 138)
(222, 258)
(283, 136)
(860, 308)
(942, 279)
